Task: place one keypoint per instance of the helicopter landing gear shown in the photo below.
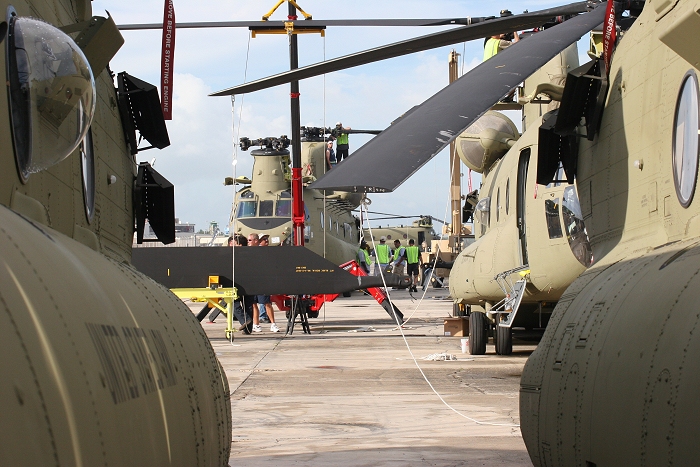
(503, 338)
(477, 333)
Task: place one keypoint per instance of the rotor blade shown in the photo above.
(366, 132)
(418, 44)
(390, 158)
(313, 24)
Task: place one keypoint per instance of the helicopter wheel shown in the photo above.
(229, 335)
(477, 333)
(347, 294)
(503, 338)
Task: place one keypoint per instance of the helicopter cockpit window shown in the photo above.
(266, 208)
(87, 163)
(284, 208)
(551, 208)
(52, 94)
(482, 211)
(284, 205)
(685, 140)
(575, 229)
(246, 209)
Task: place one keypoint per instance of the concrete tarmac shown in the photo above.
(351, 394)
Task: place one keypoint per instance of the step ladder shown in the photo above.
(513, 291)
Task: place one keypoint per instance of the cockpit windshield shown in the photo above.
(246, 209)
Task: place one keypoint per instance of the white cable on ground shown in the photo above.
(415, 361)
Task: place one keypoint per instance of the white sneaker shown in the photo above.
(274, 328)
(257, 328)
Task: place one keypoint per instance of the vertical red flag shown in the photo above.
(166, 60)
(609, 34)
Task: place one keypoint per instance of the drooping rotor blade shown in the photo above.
(453, 36)
(312, 24)
(389, 159)
(297, 271)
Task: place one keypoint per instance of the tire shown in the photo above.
(504, 340)
(313, 314)
(436, 283)
(477, 333)
(347, 294)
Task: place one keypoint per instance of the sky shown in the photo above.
(204, 131)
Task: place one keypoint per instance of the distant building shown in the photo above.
(184, 236)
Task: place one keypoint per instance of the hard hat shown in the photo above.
(338, 124)
(383, 239)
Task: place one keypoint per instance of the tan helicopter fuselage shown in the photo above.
(331, 230)
(100, 365)
(419, 231)
(614, 380)
(524, 224)
(498, 246)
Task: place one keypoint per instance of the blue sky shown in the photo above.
(204, 129)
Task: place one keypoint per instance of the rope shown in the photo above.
(408, 347)
(234, 163)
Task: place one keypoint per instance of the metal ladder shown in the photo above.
(513, 291)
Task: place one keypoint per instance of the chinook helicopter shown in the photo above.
(264, 204)
(483, 274)
(533, 233)
(89, 345)
(612, 381)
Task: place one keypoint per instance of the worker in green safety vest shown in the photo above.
(383, 254)
(363, 258)
(342, 146)
(399, 258)
(498, 43)
(412, 264)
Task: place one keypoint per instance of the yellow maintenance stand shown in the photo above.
(214, 295)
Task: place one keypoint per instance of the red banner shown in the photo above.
(166, 60)
(609, 34)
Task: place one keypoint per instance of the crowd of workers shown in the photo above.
(394, 260)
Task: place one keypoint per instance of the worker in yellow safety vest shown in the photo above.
(383, 254)
(399, 259)
(363, 258)
(498, 43)
(412, 261)
(342, 145)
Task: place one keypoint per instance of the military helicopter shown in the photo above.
(484, 274)
(264, 203)
(613, 363)
(518, 223)
(88, 344)
(420, 230)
